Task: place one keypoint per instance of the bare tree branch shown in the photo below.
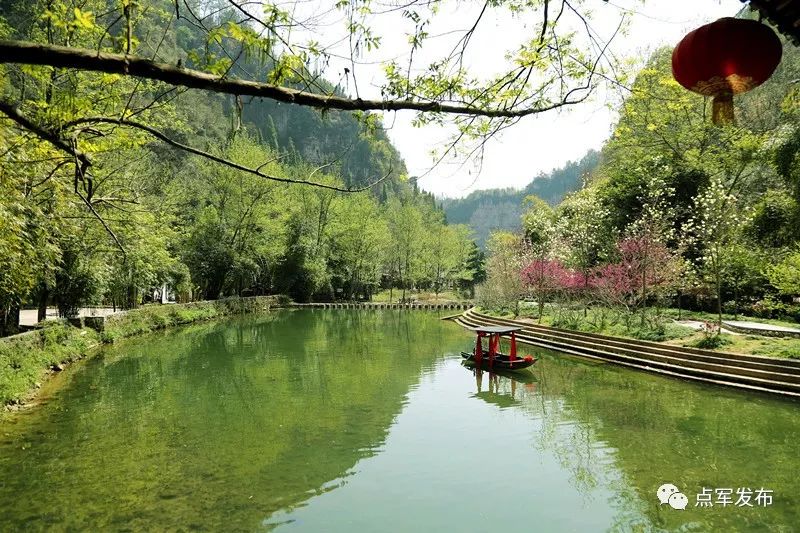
(544, 22)
(83, 59)
(59, 142)
(13, 113)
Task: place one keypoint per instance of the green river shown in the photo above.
(340, 420)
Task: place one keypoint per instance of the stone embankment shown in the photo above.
(378, 305)
(763, 374)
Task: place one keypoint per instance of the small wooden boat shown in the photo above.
(492, 358)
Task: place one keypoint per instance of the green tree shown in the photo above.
(503, 286)
(360, 240)
(714, 231)
(785, 276)
(406, 230)
(235, 223)
(585, 239)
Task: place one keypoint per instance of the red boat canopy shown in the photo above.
(494, 333)
(496, 330)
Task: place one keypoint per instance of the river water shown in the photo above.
(342, 420)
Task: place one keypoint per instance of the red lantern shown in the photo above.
(727, 57)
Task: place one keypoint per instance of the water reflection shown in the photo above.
(215, 425)
(502, 386)
(350, 421)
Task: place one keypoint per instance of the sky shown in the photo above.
(536, 144)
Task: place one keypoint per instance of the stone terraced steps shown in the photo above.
(374, 305)
(780, 376)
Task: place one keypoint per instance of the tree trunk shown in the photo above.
(585, 295)
(719, 302)
(41, 313)
(644, 294)
(13, 318)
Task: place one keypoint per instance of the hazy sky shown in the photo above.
(536, 144)
(542, 142)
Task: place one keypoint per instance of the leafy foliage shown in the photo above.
(678, 209)
(209, 219)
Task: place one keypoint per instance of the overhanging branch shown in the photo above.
(83, 160)
(29, 53)
(221, 160)
(43, 133)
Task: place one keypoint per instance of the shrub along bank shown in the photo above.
(25, 359)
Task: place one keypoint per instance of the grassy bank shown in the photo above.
(655, 328)
(600, 320)
(155, 317)
(386, 296)
(26, 359)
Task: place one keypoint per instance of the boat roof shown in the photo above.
(495, 329)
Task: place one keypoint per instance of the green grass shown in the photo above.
(498, 313)
(766, 346)
(712, 317)
(419, 296)
(154, 317)
(25, 359)
(607, 321)
(712, 342)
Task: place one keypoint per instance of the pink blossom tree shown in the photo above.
(645, 267)
(544, 278)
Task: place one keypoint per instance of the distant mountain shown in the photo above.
(500, 209)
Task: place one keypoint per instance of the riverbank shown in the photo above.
(27, 359)
(664, 329)
(754, 373)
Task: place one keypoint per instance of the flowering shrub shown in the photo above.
(711, 337)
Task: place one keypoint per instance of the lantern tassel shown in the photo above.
(722, 109)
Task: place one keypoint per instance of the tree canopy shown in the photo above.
(115, 186)
(678, 211)
(147, 52)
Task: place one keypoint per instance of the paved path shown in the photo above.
(760, 326)
(698, 325)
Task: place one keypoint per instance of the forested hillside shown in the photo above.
(208, 194)
(680, 211)
(500, 209)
